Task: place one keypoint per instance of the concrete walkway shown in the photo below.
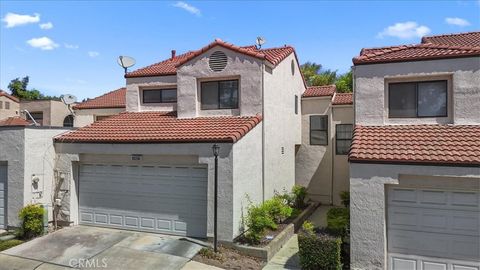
(319, 217)
(83, 247)
(193, 265)
(287, 257)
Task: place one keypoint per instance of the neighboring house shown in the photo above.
(415, 156)
(51, 113)
(99, 108)
(322, 159)
(9, 105)
(151, 168)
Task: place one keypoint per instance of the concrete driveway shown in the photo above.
(83, 247)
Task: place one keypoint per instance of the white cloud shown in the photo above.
(46, 26)
(93, 54)
(187, 7)
(405, 30)
(43, 43)
(457, 21)
(13, 19)
(71, 46)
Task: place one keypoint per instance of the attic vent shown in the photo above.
(217, 61)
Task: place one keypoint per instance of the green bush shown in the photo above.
(308, 227)
(257, 221)
(31, 218)
(345, 197)
(278, 209)
(338, 221)
(319, 251)
(299, 194)
(9, 244)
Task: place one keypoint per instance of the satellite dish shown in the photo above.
(125, 62)
(68, 99)
(260, 41)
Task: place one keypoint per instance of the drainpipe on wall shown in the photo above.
(263, 133)
(333, 151)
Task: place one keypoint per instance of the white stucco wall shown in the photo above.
(247, 176)
(13, 111)
(12, 152)
(367, 206)
(464, 86)
(134, 93)
(164, 152)
(282, 126)
(85, 117)
(247, 69)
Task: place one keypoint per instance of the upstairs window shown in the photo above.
(343, 138)
(7, 105)
(296, 104)
(319, 130)
(219, 95)
(68, 121)
(160, 95)
(417, 99)
(1, 104)
(38, 116)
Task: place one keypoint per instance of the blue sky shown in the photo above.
(72, 47)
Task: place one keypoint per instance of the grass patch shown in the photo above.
(9, 244)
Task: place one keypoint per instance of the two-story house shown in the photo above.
(415, 156)
(9, 105)
(51, 113)
(151, 168)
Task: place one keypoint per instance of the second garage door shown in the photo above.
(164, 199)
(433, 229)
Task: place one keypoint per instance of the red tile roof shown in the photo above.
(342, 99)
(15, 121)
(169, 66)
(113, 99)
(162, 127)
(5, 94)
(422, 144)
(434, 47)
(320, 91)
(470, 39)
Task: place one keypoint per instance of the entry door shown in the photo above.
(433, 229)
(163, 199)
(3, 196)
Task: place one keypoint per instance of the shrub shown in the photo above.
(345, 197)
(9, 244)
(31, 218)
(308, 227)
(299, 194)
(338, 221)
(278, 209)
(210, 254)
(257, 221)
(319, 251)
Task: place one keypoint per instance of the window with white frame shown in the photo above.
(219, 95)
(343, 138)
(318, 129)
(417, 99)
(160, 95)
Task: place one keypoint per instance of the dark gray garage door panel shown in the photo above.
(165, 199)
(3, 195)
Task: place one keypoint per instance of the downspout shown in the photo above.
(333, 150)
(263, 132)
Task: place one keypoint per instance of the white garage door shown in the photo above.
(164, 199)
(3, 196)
(433, 229)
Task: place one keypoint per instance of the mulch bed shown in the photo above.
(228, 258)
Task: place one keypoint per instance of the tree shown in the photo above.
(18, 88)
(344, 82)
(316, 76)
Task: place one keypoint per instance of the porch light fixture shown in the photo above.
(216, 150)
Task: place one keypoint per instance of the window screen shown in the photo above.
(160, 95)
(343, 138)
(7, 105)
(417, 99)
(219, 95)
(38, 116)
(319, 130)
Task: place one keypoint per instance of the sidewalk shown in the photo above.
(193, 265)
(287, 257)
